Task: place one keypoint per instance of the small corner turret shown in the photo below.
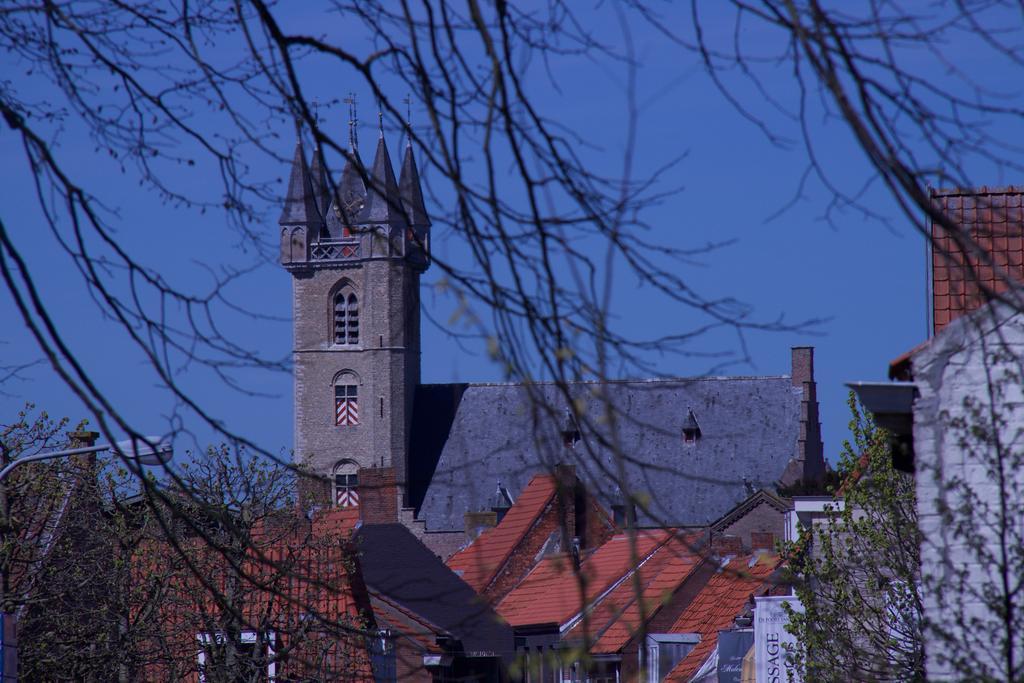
(411, 192)
(300, 219)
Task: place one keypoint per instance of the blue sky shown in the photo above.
(864, 280)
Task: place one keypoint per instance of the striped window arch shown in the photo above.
(346, 399)
(346, 317)
(346, 484)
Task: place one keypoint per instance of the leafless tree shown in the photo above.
(161, 88)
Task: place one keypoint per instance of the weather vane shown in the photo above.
(353, 120)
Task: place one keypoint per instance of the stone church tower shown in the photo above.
(355, 252)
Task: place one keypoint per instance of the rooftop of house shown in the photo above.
(554, 593)
(479, 562)
(617, 618)
(994, 220)
(397, 566)
(749, 433)
(717, 605)
(407, 624)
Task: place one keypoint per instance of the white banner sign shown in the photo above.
(773, 645)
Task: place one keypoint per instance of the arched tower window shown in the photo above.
(346, 401)
(346, 318)
(346, 484)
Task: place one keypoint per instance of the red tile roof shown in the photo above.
(481, 561)
(616, 619)
(994, 220)
(551, 593)
(717, 605)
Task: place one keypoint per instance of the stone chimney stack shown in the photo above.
(808, 462)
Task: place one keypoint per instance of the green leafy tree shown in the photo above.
(859, 571)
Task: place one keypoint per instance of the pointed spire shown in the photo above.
(299, 204)
(353, 123)
(318, 180)
(351, 189)
(411, 191)
(382, 199)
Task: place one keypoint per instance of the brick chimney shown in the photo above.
(82, 439)
(809, 460)
(478, 522)
(727, 544)
(378, 495)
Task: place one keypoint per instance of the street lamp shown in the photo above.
(149, 450)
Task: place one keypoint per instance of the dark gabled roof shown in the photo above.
(750, 427)
(398, 566)
(383, 203)
(411, 191)
(299, 204)
(434, 410)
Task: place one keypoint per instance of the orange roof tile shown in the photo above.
(993, 218)
(717, 605)
(481, 561)
(550, 594)
(616, 619)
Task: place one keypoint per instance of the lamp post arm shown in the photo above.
(48, 456)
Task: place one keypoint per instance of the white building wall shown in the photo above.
(959, 364)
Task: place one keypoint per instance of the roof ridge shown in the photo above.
(414, 616)
(527, 529)
(968, 191)
(588, 608)
(650, 380)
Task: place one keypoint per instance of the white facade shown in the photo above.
(968, 426)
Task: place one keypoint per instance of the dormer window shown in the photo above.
(691, 430)
(570, 430)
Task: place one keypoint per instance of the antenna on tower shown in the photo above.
(353, 122)
(408, 119)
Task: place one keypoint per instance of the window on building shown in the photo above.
(570, 430)
(691, 430)
(248, 656)
(382, 657)
(346, 484)
(665, 650)
(346, 318)
(346, 404)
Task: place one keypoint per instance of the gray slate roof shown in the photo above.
(749, 431)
